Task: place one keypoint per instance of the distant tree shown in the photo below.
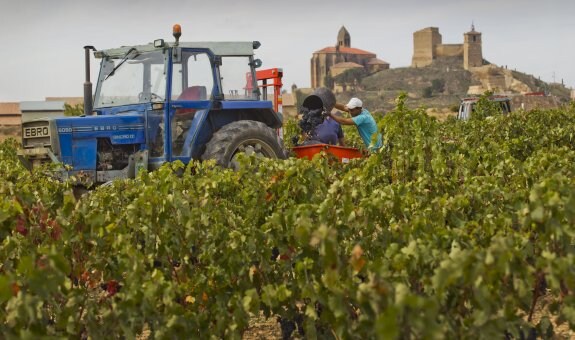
(427, 92)
(438, 85)
(76, 110)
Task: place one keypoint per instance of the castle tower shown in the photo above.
(425, 43)
(343, 38)
(472, 53)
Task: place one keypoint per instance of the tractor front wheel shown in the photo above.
(245, 136)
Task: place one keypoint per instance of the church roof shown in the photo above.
(347, 65)
(343, 49)
(376, 61)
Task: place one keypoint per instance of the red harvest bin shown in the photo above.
(340, 152)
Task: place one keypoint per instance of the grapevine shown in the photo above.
(451, 230)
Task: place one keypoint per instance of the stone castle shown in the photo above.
(334, 60)
(428, 46)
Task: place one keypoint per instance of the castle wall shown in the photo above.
(449, 50)
(424, 46)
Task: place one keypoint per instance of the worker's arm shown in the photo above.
(342, 120)
(341, 107)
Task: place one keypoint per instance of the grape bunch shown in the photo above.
(310, 120)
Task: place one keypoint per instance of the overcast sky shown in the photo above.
(42, 56)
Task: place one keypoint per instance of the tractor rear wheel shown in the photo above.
(247, 136)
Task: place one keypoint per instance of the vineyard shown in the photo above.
(452, 230)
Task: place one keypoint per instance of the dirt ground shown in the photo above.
(561, 331)
(260, 328)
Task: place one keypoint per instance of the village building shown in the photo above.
(10, 114)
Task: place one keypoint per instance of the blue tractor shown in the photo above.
(159, 103)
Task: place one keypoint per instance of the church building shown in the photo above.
(334, 60)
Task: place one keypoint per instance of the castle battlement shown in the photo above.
(428, 46)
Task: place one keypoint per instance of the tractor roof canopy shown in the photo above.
(235, 48)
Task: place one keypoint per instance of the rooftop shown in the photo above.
(347, 65)
(42, 106)
(343, 49)
(68, 100)
(376, 61)
(8, 109)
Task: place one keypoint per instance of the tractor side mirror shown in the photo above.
(256, 63)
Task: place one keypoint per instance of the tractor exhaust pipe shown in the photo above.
(87, 84)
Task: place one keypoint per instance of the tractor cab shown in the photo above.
(159, 103)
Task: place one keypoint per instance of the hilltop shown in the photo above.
(440, 75)
(441, 85)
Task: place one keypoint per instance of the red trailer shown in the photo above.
(344, 154)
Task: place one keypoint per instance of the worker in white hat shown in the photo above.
(362, 119)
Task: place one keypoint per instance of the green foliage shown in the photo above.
(485, 107)
(291, 132)
(448, 231)
(438, 85)
(75, 110)
(427, 92)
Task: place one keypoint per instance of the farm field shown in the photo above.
(452, 230)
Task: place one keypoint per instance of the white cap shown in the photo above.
(353, 103)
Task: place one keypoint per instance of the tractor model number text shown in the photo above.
(130, 136)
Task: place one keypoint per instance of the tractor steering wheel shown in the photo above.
(143, 96)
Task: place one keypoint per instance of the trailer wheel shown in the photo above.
(248, 136)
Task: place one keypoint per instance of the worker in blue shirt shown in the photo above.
(362, 119)
(328, 132)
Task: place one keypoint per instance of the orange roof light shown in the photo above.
(177, 32)
(177, 29)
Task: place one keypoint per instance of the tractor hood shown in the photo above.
(78, 136)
